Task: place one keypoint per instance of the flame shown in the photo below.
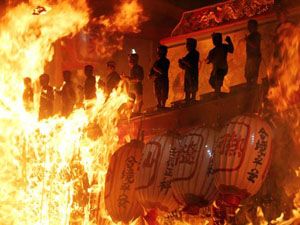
(108, 31)
(185, 220)
(295, 218)
(285, 77)
(52, 171)
(284, 93)
(49, 170)
(284, 96)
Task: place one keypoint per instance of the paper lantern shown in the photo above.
(193, 180)
(120, 199)
(156, 172)
(242, 158)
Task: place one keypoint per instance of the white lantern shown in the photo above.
(242, 158)
(120, 199)
(156, 172)
(193, 180)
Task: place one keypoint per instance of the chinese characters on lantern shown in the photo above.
(127, 180)
(165, 184)
(231, 144)
(261, 148)
(188, 154)
(152, 158)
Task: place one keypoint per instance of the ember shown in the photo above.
(39, 10)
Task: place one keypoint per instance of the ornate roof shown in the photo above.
(221, 14)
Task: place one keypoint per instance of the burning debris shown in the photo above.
(39, 10)
(106, 33)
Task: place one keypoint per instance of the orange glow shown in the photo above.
(52, 172)
(49, 170)
(284, 93)
(108, 31)
(285, 74)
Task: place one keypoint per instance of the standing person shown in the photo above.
(113, 78)
(160, 73)
(218, 57)
(253, 53)
(135, 82)
(68, 94)
(28, 94)
(90, 83)
(190, 64)
(46, 98)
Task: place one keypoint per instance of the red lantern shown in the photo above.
(193, 180)
(242, 155)
(120, 199)
(156, 172)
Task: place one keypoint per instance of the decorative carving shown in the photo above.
(221, 14)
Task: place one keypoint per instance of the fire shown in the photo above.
(128, 16)
(179, 218)
(108, 31)
(284, 93)
(50, 171)
(26, 43)
(284, 102)
(285, 76)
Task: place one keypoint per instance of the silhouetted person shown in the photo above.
(46, 98)
(68, 94)
(28, 94)
(135, 82)
(90, 83)
(218, 57)
(160, 73)
(113, 78)
(253, 53)
(190, 64)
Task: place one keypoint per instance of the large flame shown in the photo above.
(50, 170)
(285, 77)
(108, 31)
(26, 42)
(284, 93)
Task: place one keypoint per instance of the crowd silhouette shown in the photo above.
(159, 74)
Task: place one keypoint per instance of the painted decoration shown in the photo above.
(156, 171)
(193, 180)
(242, 155)
(120, 199)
